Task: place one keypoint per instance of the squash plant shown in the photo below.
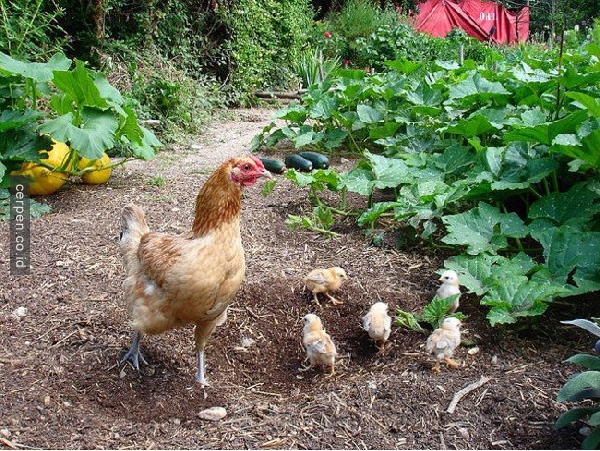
(499, 164)
(69, 102)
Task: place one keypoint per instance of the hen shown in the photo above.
(443, 342)
(449, 287)
(324, 280)
(320, 348)
(378, 324)
(175, 280)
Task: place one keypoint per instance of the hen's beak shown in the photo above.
(266, 174)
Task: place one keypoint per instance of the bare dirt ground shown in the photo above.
(61, 386)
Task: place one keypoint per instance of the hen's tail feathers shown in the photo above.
(133, 227)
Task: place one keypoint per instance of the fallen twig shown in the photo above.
(12, 445)
(464, 391)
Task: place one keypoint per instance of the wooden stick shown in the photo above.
(464, 391)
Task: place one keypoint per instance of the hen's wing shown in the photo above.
(158, 252)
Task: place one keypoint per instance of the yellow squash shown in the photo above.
(46, 180)
(101, 172)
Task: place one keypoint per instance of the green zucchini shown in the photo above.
(273, 165)
(295, 161)
(318, 160)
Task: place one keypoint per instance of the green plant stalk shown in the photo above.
(84, 170)
(30, 24)
(555, 182)
(6, 27)
(560, 64)
(535, 193)
(546, 186)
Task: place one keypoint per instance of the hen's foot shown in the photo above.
(133, 355)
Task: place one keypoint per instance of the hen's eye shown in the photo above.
(246, 167)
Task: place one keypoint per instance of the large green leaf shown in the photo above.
(473, 270)
(96, 135)
(455, 159)
(579, 202)
(578, 382)
(40, 72)
(589, 361)
(368, 114)
(389, 172)
(567, 249)
(145, 149)
(515, 297)
(79, 85)
(476, 87)
(359, 181)
(10, 119)
(483, 229)
(585, 324)
(573, 415)
(473, 126)
(586, 101)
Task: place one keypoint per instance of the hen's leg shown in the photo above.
(134, 355)
(200, 374)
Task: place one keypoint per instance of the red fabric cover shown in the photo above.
(476, 18)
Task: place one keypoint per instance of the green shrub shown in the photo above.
(29, 29)
(183, 104)
(267, 36)
(356, 21)
(390, 43)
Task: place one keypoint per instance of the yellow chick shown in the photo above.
(443, 341)
(378, 324)
(449, 287)
(319, 346)
(324, 280)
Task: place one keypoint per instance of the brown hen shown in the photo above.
(175, 280)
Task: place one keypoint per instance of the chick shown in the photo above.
(319, 346)
(443, 341)
(449, 287)
(378, 324)
(324, 280)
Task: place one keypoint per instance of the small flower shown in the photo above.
(327, 35)
(583, 23)
(346, 64)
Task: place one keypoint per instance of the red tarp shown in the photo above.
(477, 18)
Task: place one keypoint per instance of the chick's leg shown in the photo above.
(134, 355)
(316, 299)
(451, 362)
(333, 300)
(331, 372)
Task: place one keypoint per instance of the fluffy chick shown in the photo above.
(378, 324)
(449, 287)
(319, 346)
(324, 280)
(443, 342)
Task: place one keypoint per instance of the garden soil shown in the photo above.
(64, 327)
